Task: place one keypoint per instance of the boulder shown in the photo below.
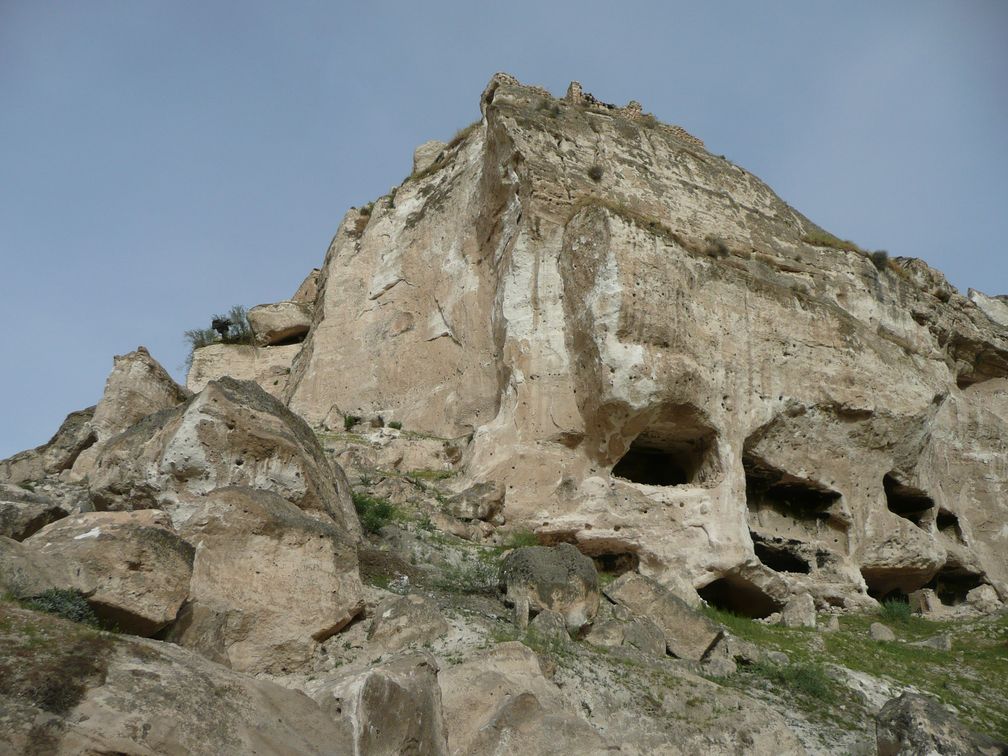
(401, 621)
(549, 627)
(925, 602)
(688, 634)
(131, 566)
(231, 433)
(392, 708)
(425, 155)
(984, 599)
(480, 501)
(22, 512)
(24, 572)
(268, 366)
(268, 581)
(913, 724)
(560, 578)
(799, 611)
(280, 322)
(66, 689)
(500, 702)
(54, 456)
(878, 631)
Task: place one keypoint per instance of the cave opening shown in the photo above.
(616, 564)
(678, 448)
(779, 556)
(798, 497)
(953, 582)
(948, 525)
(906, 501)
(737, 595)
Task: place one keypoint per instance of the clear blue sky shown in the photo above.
(160, 161)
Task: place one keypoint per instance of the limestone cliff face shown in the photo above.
(657, 357)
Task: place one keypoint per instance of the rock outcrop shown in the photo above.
(555, 282)
(22, 511)
(280, 323)
(231, 434)
(913, 724)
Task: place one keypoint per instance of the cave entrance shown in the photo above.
(907, 502)
(737, 595)
(948, 525)
(953, 582)
(780, 555)
(677, 448)
(616, 564)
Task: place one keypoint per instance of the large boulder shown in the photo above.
(22, 511)
(268, 583)
(67, 689)
(280, 322)
(500, 702)
(24, 572)
(393, 709)
(231, 433)
(688, 633)
(559, 578)
(131, 566)
(913, 724)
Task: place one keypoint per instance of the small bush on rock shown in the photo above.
(880, 259)
(65, 603)
(595, 173)
(395, 424)
(349, 421)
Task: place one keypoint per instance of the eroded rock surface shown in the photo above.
(268, 581)
(913, 724)
(558, 578)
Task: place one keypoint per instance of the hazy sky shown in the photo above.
(161, 161)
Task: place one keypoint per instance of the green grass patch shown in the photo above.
(894, 610)
(821, 238)
(63, 602)
(429, 474)
(805, 678)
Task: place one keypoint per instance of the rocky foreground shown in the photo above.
(580, 441)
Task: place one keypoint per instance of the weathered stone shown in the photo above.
(831, 625)
(550, 627)
(54, 456)
(878, 631)
(607, 301)
(995, 308)
(268, 581)
(799, 612)
(913, 724)
(138, 386)
(984, 599)
(402, 621)
(131, 566)
(561, 578)
(425, 155)
(500, 702)
(74, 691)
(688, 634)
(925, 602)
(937, 642)
(25, 572)
(280, 322)
(480, 501)
(392, 708)
(22, 512)
(231, 433)
(269, 367)
(308, 289)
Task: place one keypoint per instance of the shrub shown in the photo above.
(471, 576)
(521, 538)
(880, 259)
(239, 332)
(374, 512)
(366, 210)
(395, 424)
(595, 172)
(808, 679)
(63, 602)
(349, 421)
(894, 610)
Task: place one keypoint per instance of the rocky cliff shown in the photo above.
(572, 324)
